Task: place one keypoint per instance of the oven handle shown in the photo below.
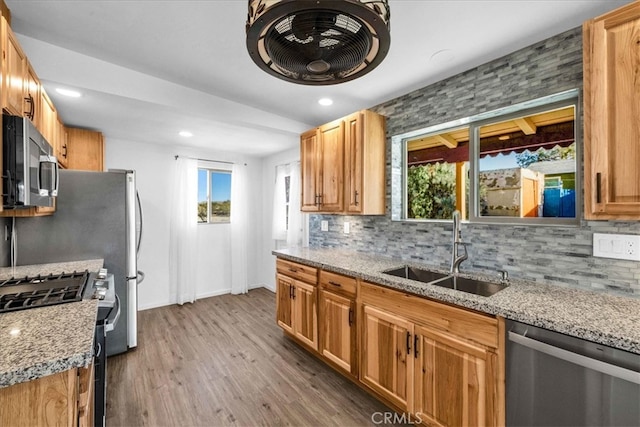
(109, 326)
(577, 359)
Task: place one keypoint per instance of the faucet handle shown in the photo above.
(504, 276)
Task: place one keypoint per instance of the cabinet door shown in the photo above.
(386, 363)
(13, 70)
(305, 314)
(309, 171)
(612, 113)
(48, 120)
(338, 331)
(31, 107)
(332, 166)
(284, 306)
(353, 162)
(452, 380)
(61, 145)
(85, 150)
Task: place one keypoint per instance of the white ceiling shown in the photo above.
(148, 69)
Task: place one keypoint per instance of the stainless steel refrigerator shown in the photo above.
(98, 215)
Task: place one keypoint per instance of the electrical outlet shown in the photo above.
(324, 225)
(347, 227)
(617, 246)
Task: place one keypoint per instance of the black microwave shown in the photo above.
(30, 175)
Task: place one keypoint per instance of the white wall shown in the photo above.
(155, 168)
(267, 262)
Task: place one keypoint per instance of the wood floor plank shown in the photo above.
(223, 361)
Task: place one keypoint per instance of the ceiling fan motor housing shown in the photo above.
(318, 42)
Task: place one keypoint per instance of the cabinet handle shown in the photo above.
(598, 187)
(32, 108)
(408, 342)
(415, 346)
(320, 196)
(356, 194)
(350, 317)
(317, 200)
(294, 292)
(293, 270)
(335, 284)
(64, 154)
(290, 292)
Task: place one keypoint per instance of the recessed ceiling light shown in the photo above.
(185, 133)
(68, 92)
(325, 102)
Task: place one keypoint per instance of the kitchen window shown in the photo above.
(514, 165)
(214, 196)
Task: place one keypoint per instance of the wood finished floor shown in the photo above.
(223, 361)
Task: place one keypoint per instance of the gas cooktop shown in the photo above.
(39, 291)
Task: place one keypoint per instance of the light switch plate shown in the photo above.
(347, 227)
(617, 246)
(324, 225)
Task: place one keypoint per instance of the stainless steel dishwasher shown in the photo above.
(557, 380)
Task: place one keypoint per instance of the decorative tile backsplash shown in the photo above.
(545, 254)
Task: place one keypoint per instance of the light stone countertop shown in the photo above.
(606, 319)
(43, 341)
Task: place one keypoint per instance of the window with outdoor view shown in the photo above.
(214, 196)
(517, 164)
(437, 170)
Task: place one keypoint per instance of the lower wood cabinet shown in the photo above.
(62, 399)
(386, 363)
(297, 309)
(438, 364)
(443, 365)
(338, 331)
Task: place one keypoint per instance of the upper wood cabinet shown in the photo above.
(365, 163)
(85, 149)
(14, 63)
(32, 96)
(612, 114)
(343, 166)
(322, 168)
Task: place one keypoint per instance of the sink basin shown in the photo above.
(446, 280)
(472, 286)
(419, 274)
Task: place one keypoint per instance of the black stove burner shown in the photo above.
(38, 291)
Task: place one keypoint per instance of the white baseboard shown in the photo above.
(200, 296)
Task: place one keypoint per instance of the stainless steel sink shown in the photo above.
(472, 286)
(446, 280)
(419, 274)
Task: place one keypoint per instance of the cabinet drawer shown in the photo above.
(297, 271)
(466, 324)
(337, 283)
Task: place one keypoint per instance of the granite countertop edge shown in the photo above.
(517, 302)
(51, 339)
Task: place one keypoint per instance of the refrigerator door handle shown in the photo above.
(141, 276)
(139, 242)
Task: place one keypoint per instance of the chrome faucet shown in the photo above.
(456, 258)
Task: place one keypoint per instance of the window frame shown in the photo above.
(399, 196)
(209, 171)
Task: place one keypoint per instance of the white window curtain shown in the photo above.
(239, 223)
(279, 227)
(183, 231)
(293, 234)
